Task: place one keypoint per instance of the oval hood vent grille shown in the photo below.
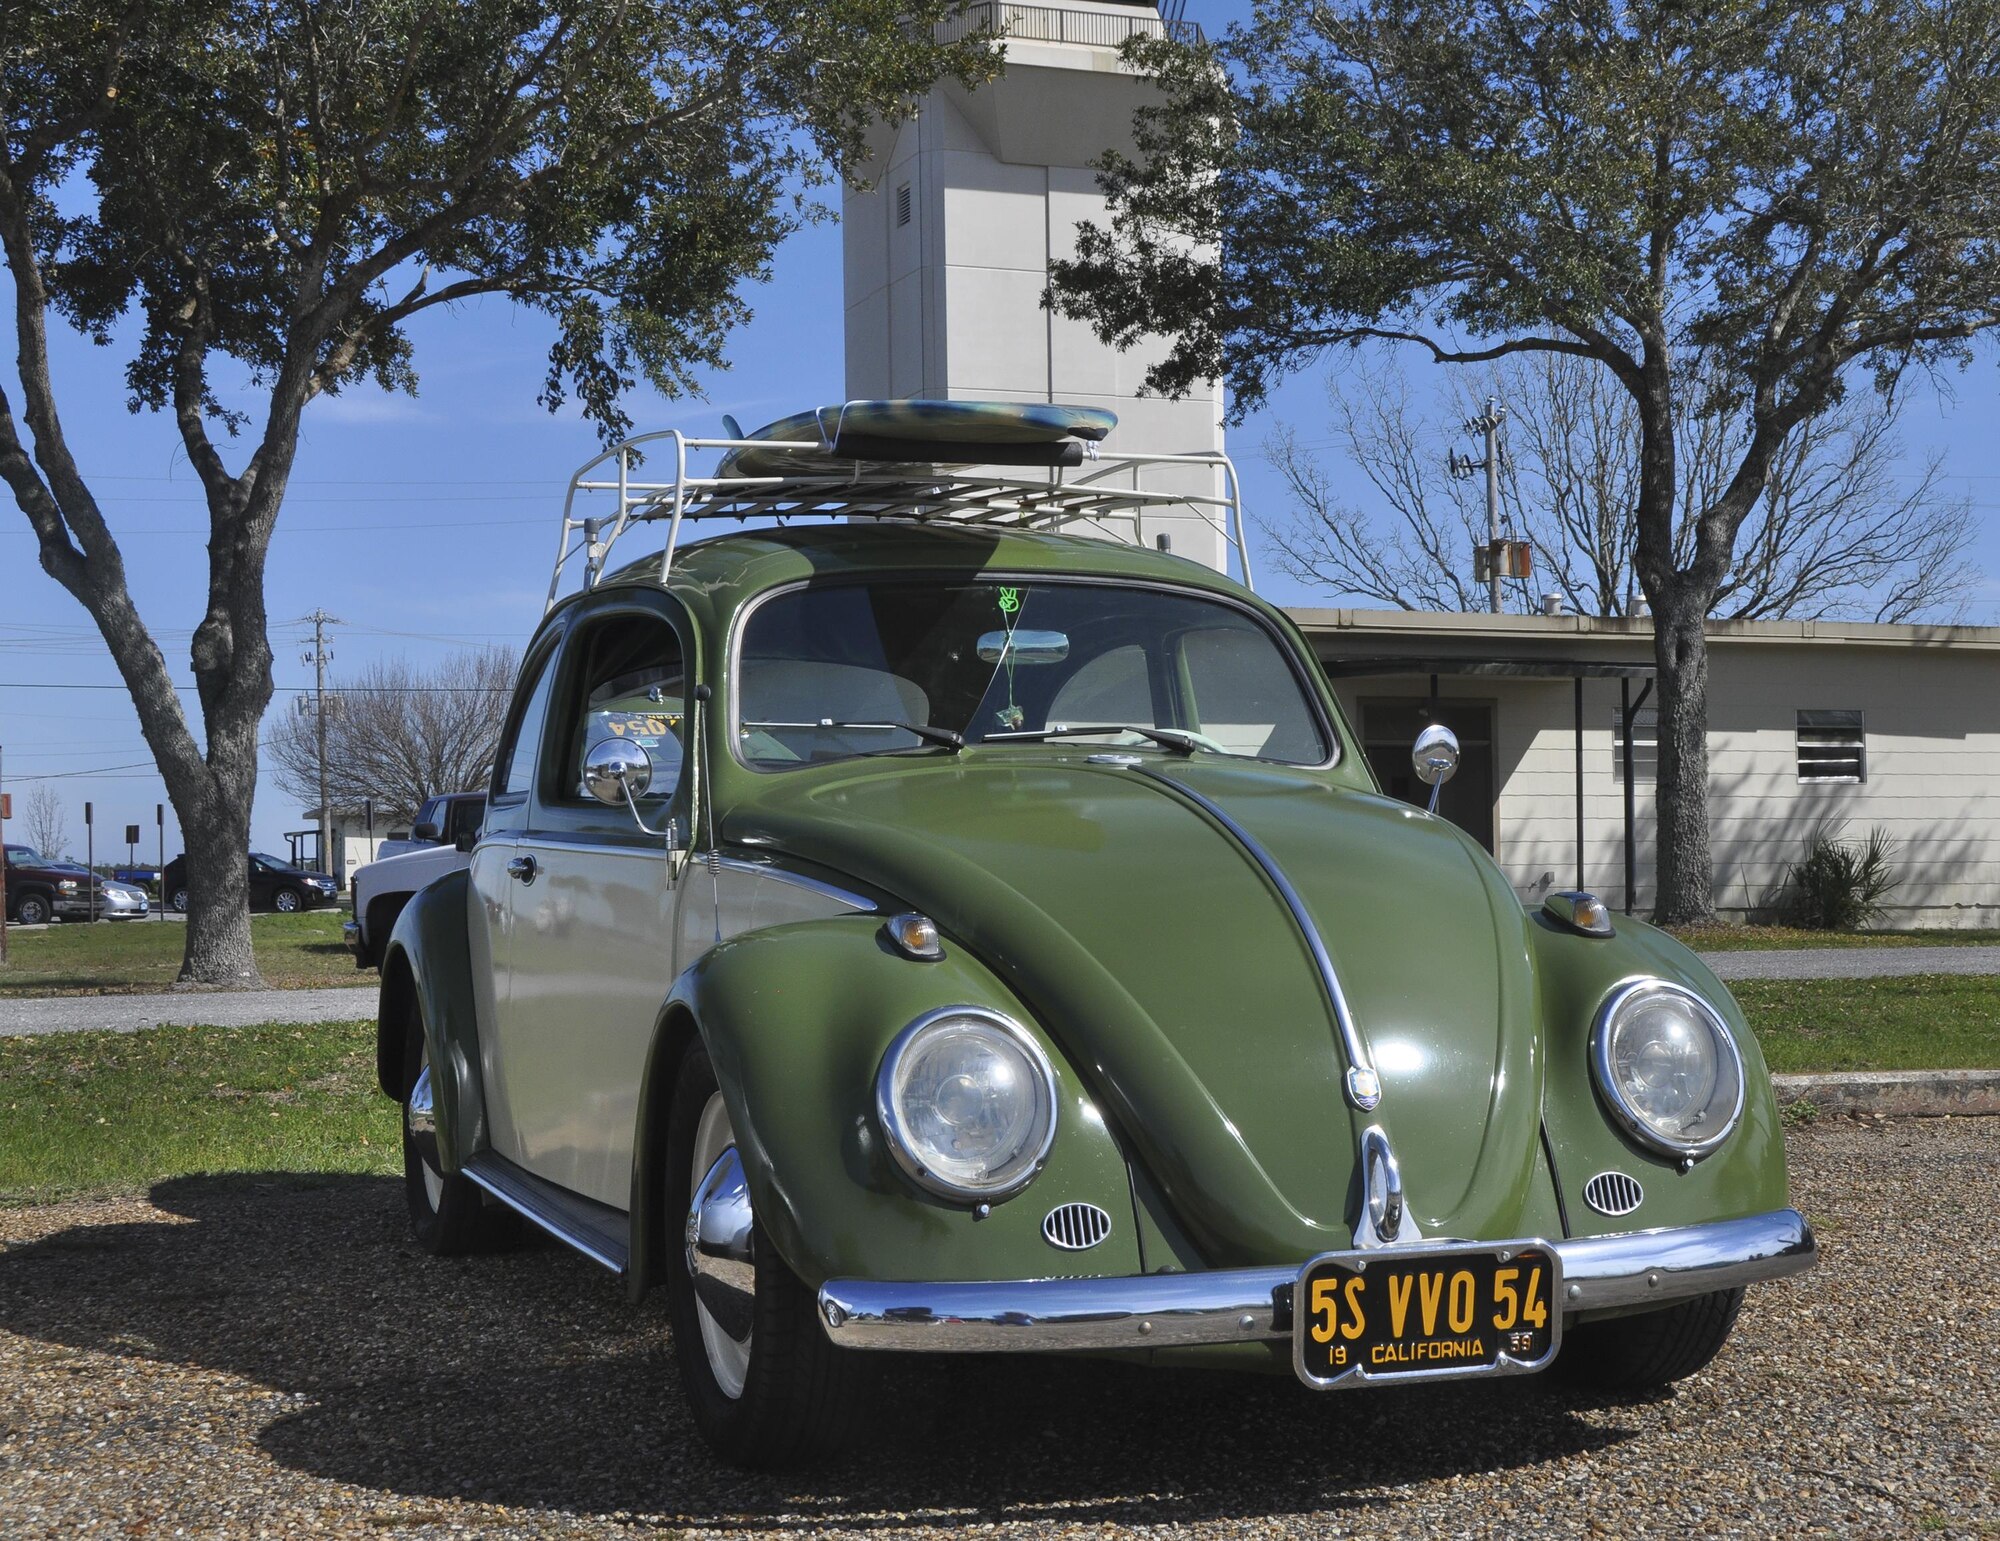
(1613, 1193)
(1075, 1227)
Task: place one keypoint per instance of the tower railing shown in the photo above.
(1056, 24)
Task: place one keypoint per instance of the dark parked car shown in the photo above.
(40, 890)
(274, 885)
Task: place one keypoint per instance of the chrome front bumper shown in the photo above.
(1239, 1305)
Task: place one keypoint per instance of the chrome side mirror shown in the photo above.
(1435, 758)
(617, 771)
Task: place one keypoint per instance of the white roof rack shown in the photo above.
(605, 499)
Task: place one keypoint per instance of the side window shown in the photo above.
(467, 814)
(1246, 699)
(630, 686)
(517, 760)
(1112, 687)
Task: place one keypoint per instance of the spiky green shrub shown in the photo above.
(1840, 884)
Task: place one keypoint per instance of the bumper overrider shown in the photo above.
(1633, 1269)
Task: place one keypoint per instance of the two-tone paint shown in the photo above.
(1125, 913)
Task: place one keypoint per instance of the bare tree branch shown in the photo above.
(399, 734)
(1836, 529)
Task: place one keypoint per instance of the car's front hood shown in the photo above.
(1155, 951)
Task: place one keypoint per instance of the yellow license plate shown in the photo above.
(1426, 1314)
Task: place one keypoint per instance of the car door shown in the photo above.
(490, 898)
(591, 927)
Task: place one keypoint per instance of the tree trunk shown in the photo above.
(1685, 868)
(217, 950)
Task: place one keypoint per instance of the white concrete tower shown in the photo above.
(948, 252)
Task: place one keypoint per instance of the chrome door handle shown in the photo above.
(523, 868)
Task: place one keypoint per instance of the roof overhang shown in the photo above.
(1342, 667)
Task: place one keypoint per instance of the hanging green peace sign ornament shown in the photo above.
(1010, 716)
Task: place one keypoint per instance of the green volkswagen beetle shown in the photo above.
(928, 931)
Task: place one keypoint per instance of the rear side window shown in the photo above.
(517, 760)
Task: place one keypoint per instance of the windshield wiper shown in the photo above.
(923, 730)
(1167, 738)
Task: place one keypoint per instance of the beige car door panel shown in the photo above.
(592, 961)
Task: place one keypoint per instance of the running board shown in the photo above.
(599, 1232)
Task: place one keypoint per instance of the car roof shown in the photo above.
(722, 571)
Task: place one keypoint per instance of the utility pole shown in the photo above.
(1487, 423)
(320, 656)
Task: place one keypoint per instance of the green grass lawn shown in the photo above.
(1921, 1022)
(116, 1112)
(1792, 939)
(89, 1113)
(119, 957)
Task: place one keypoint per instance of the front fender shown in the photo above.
(796, 1019)
(428, 964)
(1745, 1176)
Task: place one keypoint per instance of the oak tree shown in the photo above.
(278, 187)
(1802, 192)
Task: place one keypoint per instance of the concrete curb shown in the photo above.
(1896, 1093)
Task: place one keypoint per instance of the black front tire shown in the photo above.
(447, 1211)
(33, 910)
(800, 1396)
(177, 901)
(287, 901)
(1649, 1351)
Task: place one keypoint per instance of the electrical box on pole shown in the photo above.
(1499, 558)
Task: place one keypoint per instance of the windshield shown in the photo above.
(828, 672)
(26, 855)
(272, 861)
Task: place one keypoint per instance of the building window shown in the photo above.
(1645, 745)
(1832, 746)
(903, 204)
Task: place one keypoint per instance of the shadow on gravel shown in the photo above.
(525, 1379)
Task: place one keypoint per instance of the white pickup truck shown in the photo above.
(446, 829)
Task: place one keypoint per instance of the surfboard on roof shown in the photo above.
(921, 433)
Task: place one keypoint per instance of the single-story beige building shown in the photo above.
(1896, 727)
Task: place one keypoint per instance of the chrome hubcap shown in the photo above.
(420, 1122)
(718, 1249)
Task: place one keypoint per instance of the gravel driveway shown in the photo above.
(244, 1357)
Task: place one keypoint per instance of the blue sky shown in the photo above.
(427, 523)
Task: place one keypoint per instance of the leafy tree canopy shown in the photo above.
(1738, 200)
(1798, 185)
(278, 187)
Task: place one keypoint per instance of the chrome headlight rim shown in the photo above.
(896, 1134)
(1627, 1116)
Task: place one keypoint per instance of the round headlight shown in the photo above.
(968, 1103)
(1668, 1067)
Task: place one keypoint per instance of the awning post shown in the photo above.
(1579, 781)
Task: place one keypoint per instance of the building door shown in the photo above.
(1390, 726)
